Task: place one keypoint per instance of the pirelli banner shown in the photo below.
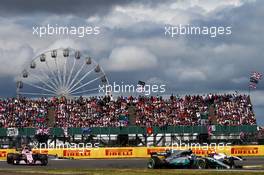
(4, 152)
(144, 152)
(138, 152)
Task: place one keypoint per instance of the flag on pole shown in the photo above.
(254, 79)
(256, 75)
(140, 86)
(142, 83)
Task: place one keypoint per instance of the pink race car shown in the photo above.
(27, 157)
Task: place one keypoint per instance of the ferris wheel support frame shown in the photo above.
(60, 80)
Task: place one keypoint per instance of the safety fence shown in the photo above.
(140, 152)
(215, 129)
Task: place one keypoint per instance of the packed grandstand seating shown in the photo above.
(227, 109)
(23, 112)
(91, 112)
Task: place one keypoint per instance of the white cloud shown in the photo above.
(239, 80)
(155, 80)
(206, 5)
(64, 43)
(257, 97)
(170, 12)
(13, 61)
(129, 58)
(186, 74)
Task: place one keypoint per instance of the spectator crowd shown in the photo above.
(23, 112)
(226, 109)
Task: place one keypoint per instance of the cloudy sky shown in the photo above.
(132, 46)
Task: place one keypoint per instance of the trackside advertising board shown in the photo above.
(138, 152)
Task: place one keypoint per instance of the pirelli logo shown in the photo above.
(245, 150)
(119, 152)
(3, 153)
(155, 150)
(76, 153)
(202, 152)
(40, 151)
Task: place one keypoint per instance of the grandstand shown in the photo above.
(133, 121)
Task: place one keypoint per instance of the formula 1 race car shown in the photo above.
(186, 159)
(27, 157)
(232, 161)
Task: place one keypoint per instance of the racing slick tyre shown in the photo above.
(16, 159)
(43, 159)
(230, 161)
(10, 158)
(154, 163)
(201, 164)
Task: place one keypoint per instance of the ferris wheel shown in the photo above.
(61, 72)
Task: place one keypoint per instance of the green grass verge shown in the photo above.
(126, 172)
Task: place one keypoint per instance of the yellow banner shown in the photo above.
(138, 152)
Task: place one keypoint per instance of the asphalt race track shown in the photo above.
(87, 163)
(249, 163)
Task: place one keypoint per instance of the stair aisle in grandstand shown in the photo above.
(51, 117)
(132, 115)
(212, 116)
